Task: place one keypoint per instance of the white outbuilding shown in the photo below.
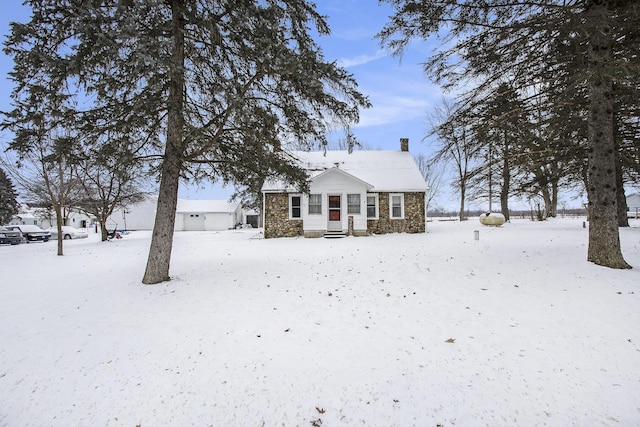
(191, 215)
(138, 216)
(207, 215)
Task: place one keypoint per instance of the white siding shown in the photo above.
(45, 219)
(212, 215)
(633, 202)
(218, 221)
(335, 184)
(193, 221)
(139, 216)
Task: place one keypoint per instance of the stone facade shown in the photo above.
(413, 221)
(278, 224)
(276, 217)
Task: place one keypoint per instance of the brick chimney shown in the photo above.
(404, 144)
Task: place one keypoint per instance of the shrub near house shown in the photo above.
(358, 193)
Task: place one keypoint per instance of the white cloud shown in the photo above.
(398, 97)
(361, 59)
(394, 109)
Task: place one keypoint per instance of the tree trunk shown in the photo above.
(604, 239)
(490, 161)
(504, 204)
(623, 220)
(159, 260)
(59, 224)
(546, 198)
(103, 225)
(462, 196)
(506, 181)
(554, 198)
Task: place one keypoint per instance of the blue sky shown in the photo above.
(402, 97)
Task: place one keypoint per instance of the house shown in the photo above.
(25, 215)
(45, 218)
(191, 215)
(358, 193)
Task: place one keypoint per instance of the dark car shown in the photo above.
(31, 233)
(12, 237)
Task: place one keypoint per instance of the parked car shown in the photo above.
(31, 233)
(10, 236)
(68, 232)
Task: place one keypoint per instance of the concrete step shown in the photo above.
(335, 234)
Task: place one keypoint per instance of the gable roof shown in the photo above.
(383, 170)
(337, 171)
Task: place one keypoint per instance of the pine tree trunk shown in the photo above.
(604, 240)
(623, 220)
(159, 260)
(506, 181)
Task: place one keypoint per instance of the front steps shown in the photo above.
(334, 234)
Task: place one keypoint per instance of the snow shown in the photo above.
(185, 205)
(385, 170)
(515, 329)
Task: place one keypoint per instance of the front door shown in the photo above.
(335, 220)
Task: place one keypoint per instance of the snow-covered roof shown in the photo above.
(185, 205)
(384, 170)
(26, 215)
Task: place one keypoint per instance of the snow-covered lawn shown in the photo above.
(514, 329)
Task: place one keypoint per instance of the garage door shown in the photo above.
(218, 221)
(194, 222)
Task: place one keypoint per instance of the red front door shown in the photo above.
(335, 222)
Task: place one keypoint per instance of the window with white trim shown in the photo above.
(396, 206)
(315, 204)
(372, 206)
(353, 203)
(295, 206)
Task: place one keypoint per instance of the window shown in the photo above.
(315, 204)
(353, 203)
(396, 206)
(372, 206)
(295, 203)
(334, 202)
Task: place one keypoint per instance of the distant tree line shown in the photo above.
(534, 213)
